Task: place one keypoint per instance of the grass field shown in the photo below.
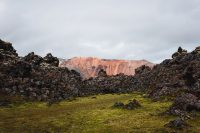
(88, 115)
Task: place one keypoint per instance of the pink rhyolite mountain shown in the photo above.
(90, 66)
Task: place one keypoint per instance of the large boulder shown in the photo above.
(197, 50)
(177, 123)
(179, 52)
(183, 104)
(37, 61)
(7, 46)
(50, 59)
(142, 69)
(133, 104)
(102, 73)
(33, 59)
(7, 51)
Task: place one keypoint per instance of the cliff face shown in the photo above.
(89, 66)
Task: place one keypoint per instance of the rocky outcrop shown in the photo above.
(108, 84)
(102, 73)
(184, 104)
(49, 59)
(179, 52)
(36, 60)
(133, 104)
(172, 76)
(35, 78)
(7, 51)
(177, 78)
(90, 67)
(177, 123)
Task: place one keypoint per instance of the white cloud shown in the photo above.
(2, 7)
(131, 29)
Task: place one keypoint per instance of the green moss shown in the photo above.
(87, 114)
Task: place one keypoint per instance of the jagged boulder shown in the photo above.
(7, 46)
(36, 60)
(7, 51)
(133, 104)
(102, 73)
(177, 123)
(33, 59)
(197, 50)
(188, 75)
(183, 104)
(118, 105)
(4, 103)
(50, 59)
(142, 69)
(179, 52)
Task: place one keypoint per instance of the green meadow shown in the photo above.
(93, 114)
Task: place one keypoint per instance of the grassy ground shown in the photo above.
(88, 114)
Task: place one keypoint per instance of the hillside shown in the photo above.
(90, 66)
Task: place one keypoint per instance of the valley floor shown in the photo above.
(89, 114)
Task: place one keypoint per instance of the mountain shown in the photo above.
(90, 66)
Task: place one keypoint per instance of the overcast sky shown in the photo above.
(113, 29)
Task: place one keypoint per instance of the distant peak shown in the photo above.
(90, 66)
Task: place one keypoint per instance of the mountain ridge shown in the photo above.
(90, 66)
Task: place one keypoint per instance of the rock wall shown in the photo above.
(173, 76)
(35, 78)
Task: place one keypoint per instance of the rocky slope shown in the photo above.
(172, 76)
(35, 78)
(177, 78)
(89, 66)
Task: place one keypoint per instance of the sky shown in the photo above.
(110, 29)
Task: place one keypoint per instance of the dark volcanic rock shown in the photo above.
(4, 103)
(142, 69)
(177, 78)
(51, 60)
(33, 59)
(102, 73)
(177, 123)
(179, 52)
(118, 105)
(184, 103)
(171, 77)
(35, 78)
(109, 84)
(133, 104)
(7, 46)
(7, 52)
(36, 60)
(20, 69)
